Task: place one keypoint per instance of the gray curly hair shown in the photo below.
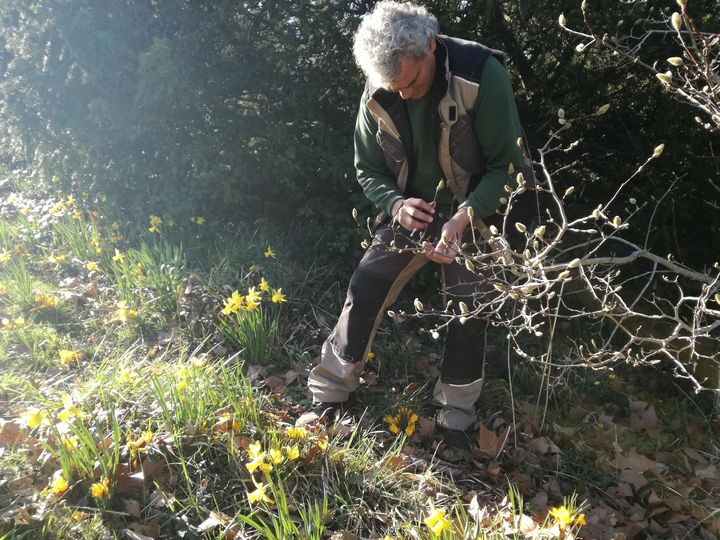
(389, 30)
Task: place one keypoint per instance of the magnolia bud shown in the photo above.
(448, 305)
(527, 254)
(441, 184)
(717, 298)
(364, 244)
(418, 305)
(583, 6)
(463, 320)
(551, 295)
(520, 179)
(602, 110)
(469, 265)
(540, 231)
(574, 263)
(435, 334)
(562, 21)
(665, 78)
(561, 113)
(503, 200)
(520, 227)
(675, 61)
(658, 150)
(676, 21)
(564, 275)
(470, 212)
(682, 4)
(355, 214)
(390, 313)
(511, 168)
(569, 191)
(463, 308)
(520, 142)
(580, 47)
(499, 287)
(508, 188)
(493, 229)
(596, 213)
(616, 221)
(632, 200)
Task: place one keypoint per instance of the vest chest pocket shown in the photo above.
(393, 151)
(465, 151)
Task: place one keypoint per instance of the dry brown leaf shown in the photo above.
(132, 507)
(290, 377)
(21, 485)
(633, 477)
(424, 430)
(344, 536)
(10, 433)
(151, 469)
(274, 383)
(490, 444)
(395, 463)
(410, 388)
(634, 461)
(543, 445)
(151, 530)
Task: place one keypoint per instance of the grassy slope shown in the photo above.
(131, 402)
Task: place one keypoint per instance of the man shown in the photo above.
(433, 108)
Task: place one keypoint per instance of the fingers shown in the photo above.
(441, 253)
(415, 214)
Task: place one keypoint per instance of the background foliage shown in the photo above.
(244, 110)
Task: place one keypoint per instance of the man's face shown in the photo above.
(416, 74)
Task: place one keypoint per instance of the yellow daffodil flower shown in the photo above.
(292, 452)
(59, 485)
(269, 253)
(34, 417)
(276, 456)
(91, 266)
(264, 285)
(259, 495)
(278, 296)
(101, 489)
(123, 313)
(68, 357)
(118, 257)
(297, 433)
(234, 303)
(437, 522)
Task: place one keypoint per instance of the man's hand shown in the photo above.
(447, 247)
(414, 214)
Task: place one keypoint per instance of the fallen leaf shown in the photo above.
(132, 535)
(634, 461)
(424, 430)
(216, 519)
(642, 414)
(150, 530)
(274, 383)
(10, 433)
(132, 507)
(344, 536)
(291, 377)
(543, 445)
(490, 444)
(21, 485)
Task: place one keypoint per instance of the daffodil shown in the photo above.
(292, 452)
(118, 257)
(123, 313)
(234, 303)
(34, 417)
(155, 223)
(322, 444)
(269, 253)
(100, 490)
(264, 285)
(129, 377)
(404, 421)
(5, 257)
(437, 522)
(278, 296)
(253, 295)
(91, 266)
(59, 485)
(70, 411)
(297, 433)
(259, 495)
(276, 456)
(68, 357)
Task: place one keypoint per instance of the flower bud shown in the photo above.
(390, 313)
(561, 113)
(682, 4)
(511, 168)
(562, 21)
(596, 213)
(493, 229)
(463, 320)
(564, 275)
(569, 191)
(470, 212)
(435, 334)
(520, 179)
(580, 47)
(463, 308)
(675, 61)
(574, 263)
(519, 142)
(717, 298)
(503, 200)
(665, 78)
(520, 227)
(418, 305)
(508, 188)
(632, 200)
(441, 184)
(583, 6)
(602, 110)
(616, 221)
(364, 244)
(676, 21)
(469, 265)
(355, 214)
(539, 232)
(658, 150)
(449, 304)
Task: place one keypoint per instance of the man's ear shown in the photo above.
(431, 45)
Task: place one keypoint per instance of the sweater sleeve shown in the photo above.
(372, 173)
(497, 128)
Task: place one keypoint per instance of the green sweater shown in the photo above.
(497, 128)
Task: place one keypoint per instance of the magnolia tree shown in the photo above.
(625, 303)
